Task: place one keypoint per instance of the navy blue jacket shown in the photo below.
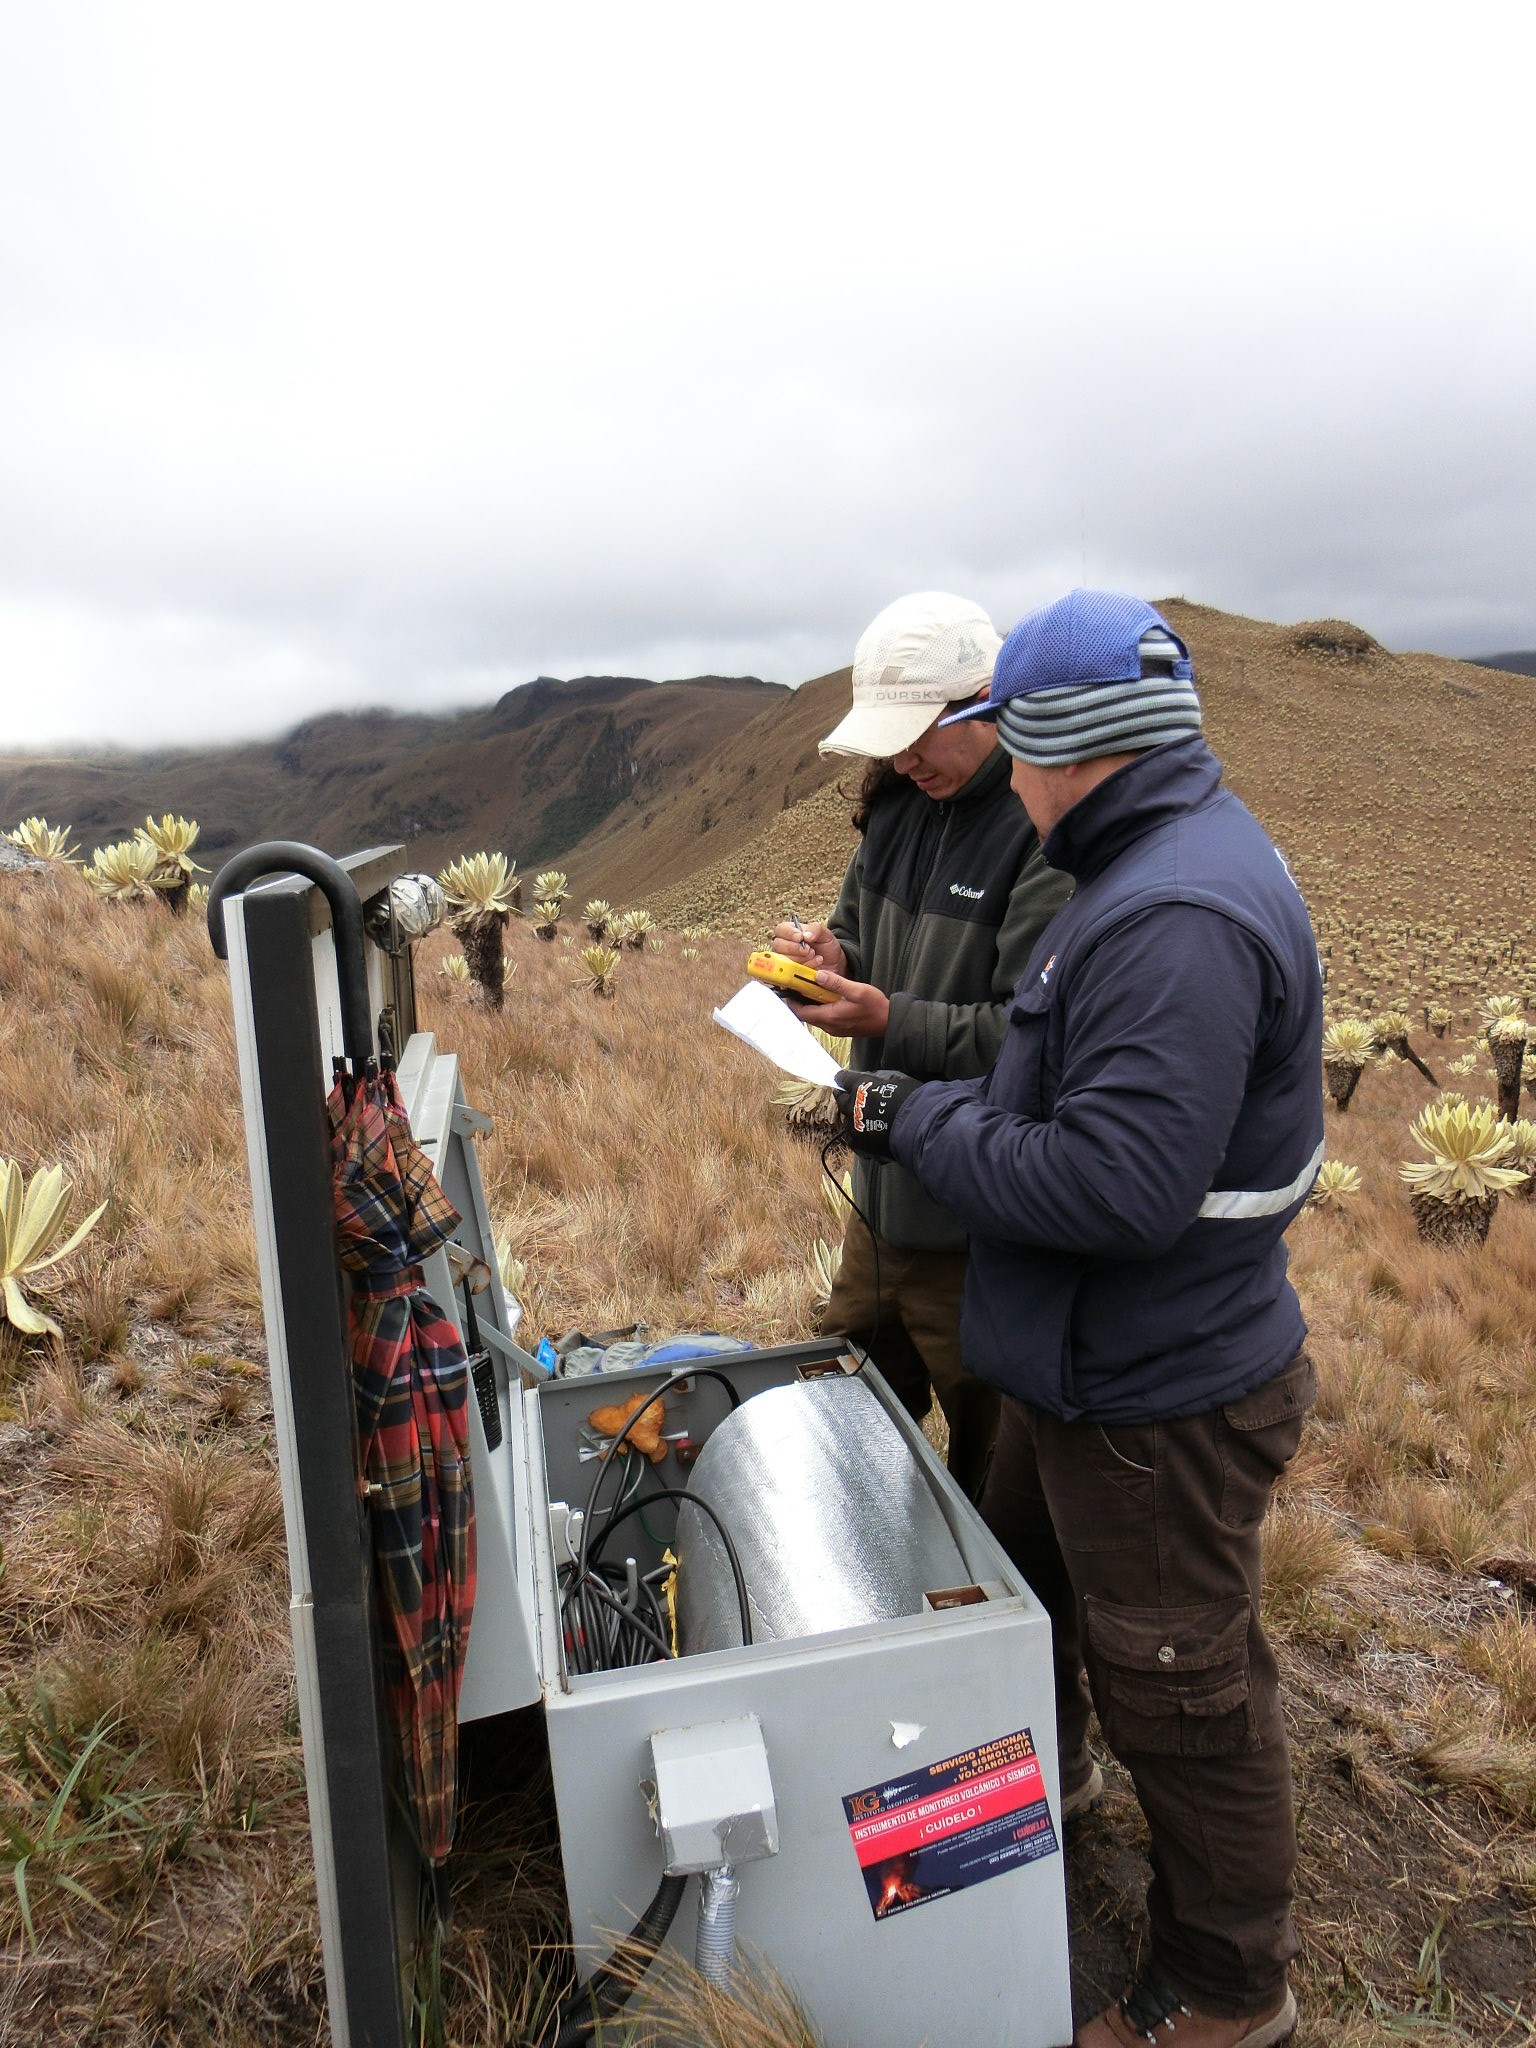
(1154, 1120)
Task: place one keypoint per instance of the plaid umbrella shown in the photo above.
(411, 1382)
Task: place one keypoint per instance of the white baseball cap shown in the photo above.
(921, 653)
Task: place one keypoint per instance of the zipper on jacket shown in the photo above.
(946, 812)
(873, 1184)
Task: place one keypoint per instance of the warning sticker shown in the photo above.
(957, 1823)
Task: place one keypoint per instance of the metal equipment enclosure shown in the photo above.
(909, 1725)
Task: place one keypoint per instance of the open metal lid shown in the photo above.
(312, 985)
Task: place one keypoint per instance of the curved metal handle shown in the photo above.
(293, 857)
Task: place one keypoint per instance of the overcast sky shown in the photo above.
(398, 354)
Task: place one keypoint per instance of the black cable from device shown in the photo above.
(610, 1989)
(692, 1372)
(874, 1243)
(682, 1493)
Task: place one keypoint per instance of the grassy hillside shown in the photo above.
(143, 1624)
(723, 804)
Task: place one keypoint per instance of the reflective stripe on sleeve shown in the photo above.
(1231, 1204)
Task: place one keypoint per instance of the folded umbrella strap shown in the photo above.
(387, 1286)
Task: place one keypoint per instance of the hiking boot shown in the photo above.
(1152, 2011)
(1082, 1786)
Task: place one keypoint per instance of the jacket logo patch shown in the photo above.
(1045, 972)
(971, 895)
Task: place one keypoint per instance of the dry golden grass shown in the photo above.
(637, 1168)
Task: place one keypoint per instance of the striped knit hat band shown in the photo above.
(1049, 728)
(1096, 673)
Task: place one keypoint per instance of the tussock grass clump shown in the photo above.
(1305, 1551)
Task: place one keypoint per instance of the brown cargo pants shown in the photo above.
(1142, 1543)
(917, 1341)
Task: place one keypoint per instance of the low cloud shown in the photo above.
(592, 394)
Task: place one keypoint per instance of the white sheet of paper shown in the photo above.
(757, 1015)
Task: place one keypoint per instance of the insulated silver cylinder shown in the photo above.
(833, 1520)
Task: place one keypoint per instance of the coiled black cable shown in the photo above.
(603, 1629)
(682, 1493)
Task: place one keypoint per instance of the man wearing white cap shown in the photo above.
(940, 908)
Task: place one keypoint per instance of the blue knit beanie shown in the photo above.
(1095, 673)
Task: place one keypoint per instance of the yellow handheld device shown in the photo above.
(789, 977)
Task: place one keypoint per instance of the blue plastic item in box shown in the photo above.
(622, 1356)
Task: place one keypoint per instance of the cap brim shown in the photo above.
(876, 731)
(981, 710)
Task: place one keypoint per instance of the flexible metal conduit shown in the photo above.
(714, 1949)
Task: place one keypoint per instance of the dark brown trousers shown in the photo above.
(915, 1339)
(1142, 1543)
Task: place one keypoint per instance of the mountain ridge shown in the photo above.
(531, 772)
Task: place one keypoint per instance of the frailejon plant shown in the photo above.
(1335, 1185)
(172, 840)
(1522, 1142)
(1390, 1031)
(825, 1260)
(600, 963)
(1437, 1018)
(44, 841)
(485, 891)
(811, 1109)
(596, 918)
(552, 886)
(1348, 1047)
(1455, 1190)
(547, 916)
(513, 1271)
(638, 927)
(455, 968)
(32, 1225)
(1505, 1030)
(125, 871)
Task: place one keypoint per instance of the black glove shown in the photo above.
(869, 1103)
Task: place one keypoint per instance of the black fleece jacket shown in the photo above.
(940, 908)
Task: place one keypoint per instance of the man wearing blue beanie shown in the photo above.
(1127, 1172)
